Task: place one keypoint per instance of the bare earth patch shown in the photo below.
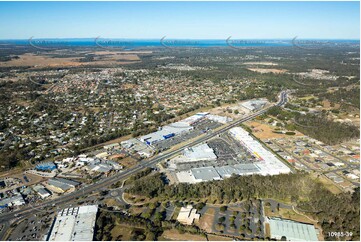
(265, 70)
(206, 221)
(265, 131)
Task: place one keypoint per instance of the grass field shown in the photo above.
(329, 184)
(287, 214)
(265, 131)
(175, 235)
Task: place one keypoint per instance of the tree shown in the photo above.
(223, 209)
(221, 219)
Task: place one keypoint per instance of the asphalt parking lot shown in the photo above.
(32, 228)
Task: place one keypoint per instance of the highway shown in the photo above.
(28, 210)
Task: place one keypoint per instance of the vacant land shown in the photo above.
(124, 232)
(127, 162)
(48, 61)
(329, 184)
(264, 70)
(265, 131)
(206, 221)
(174, 234)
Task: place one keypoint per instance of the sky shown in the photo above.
(180, 20)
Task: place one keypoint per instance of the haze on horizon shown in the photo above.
(180, 20)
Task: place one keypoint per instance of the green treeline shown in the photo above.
(335, 212)
(142, 228)
(344, 96)
(325, 130)
(319, 126)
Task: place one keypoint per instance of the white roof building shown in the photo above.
(186, 177)
(199, 152)
(292, 230)
(194, 118)
(166, 132)
(268, 163)
(74, 224)
(219, 119)
(205, 174)
(16, 200)
(40, 189)
(187, 215)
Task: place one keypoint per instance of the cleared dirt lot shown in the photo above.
(206, 220)
(264, 70)
(265, 131)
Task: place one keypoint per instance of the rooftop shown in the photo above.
(187, 215)
(205, 173)
(74, 224)
(268, 163)
(292, 230)
(199, 152)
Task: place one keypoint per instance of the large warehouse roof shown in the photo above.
(174, 128)
(205, 174)
(194, 118)
(74, 224)
(292, 230)
(238, 169)
(186, 177)
(268, 163)
(63, 184)
(199, 152)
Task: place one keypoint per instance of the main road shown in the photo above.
(25, 211)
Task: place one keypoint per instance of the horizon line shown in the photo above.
(231, 38)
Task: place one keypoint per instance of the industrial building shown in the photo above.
(205, 174)
(268, 163)
(74, 224)
(194, 118)
(103, 166)
(291, 230)
(216, 173)
(196, 175)
(46, 166)
(199, 152)
(238, 169)
(187, 215)
(137, 146)
(16, 200)
(42, 191)
(173, 129)
(186, 177)
(219, 119)
(166, 132)
(61, 185)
